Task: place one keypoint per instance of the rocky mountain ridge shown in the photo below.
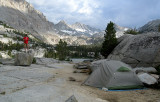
(151, 26)
(22, 16)
(76, 29)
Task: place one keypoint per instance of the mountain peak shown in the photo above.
(77, 23)
(62, 22)
(151, 26)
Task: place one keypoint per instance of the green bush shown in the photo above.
(9, 53)
(13, 56)
(7, 26)
(0, 56)
(131, 31)
(5, 35)
(67, 59)
(10, 46)
(158, 70)
(19, 33)
(159, 28)
(34, 61)
(1, 22)
(49, 54)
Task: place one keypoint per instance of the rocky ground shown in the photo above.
(56, 83)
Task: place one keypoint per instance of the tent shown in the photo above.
(113, 74)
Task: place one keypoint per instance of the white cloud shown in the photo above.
(37, 2)
(98, 13)
(85, 11)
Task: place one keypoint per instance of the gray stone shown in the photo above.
(71, 99)
(7, 61)
(142, 50)
(151, 26)
(23, 59)
(15, 78)
(129, 60)
(147, 78)
(82, 65)
(143, 64)
(44, 61)
(145, 69)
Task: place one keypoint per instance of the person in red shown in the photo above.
(25, 39)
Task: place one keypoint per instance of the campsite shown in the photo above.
(79, 51)
(57, 82)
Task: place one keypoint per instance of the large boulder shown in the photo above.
(23, 59)
(141, 50)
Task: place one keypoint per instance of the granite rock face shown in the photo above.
(151, 26)
(141, 50)
(22, 16)
(23, 59)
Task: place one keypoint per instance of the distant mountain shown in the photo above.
(62, 25)
(84, 28)
(120, 30)
(76, 29)
(21, 15)
(151, 26)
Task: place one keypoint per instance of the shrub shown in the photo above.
(1, 22)
(131, 31)
(7, 26)
(67, 59)
(19, 33)
(5, 35)
(49, 54)
(34, 61)
(158, 70)
(9, 53)
(0, 56)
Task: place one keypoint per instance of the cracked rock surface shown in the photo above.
(39, 83)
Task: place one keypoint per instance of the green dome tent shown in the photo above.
(113, 74)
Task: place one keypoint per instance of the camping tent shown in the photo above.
(112, 74)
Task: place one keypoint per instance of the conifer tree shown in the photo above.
(110, 40)
(62, 49)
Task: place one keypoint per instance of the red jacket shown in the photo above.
(25, 39)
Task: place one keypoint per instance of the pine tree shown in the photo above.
(110, 40)
(62, 49)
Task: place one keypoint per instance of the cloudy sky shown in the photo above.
(97, 13)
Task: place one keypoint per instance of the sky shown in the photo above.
(98, 13)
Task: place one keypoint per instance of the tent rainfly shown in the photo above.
(113, 74)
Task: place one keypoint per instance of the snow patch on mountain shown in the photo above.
(69, 32)
(120, 30)
(81, 30)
